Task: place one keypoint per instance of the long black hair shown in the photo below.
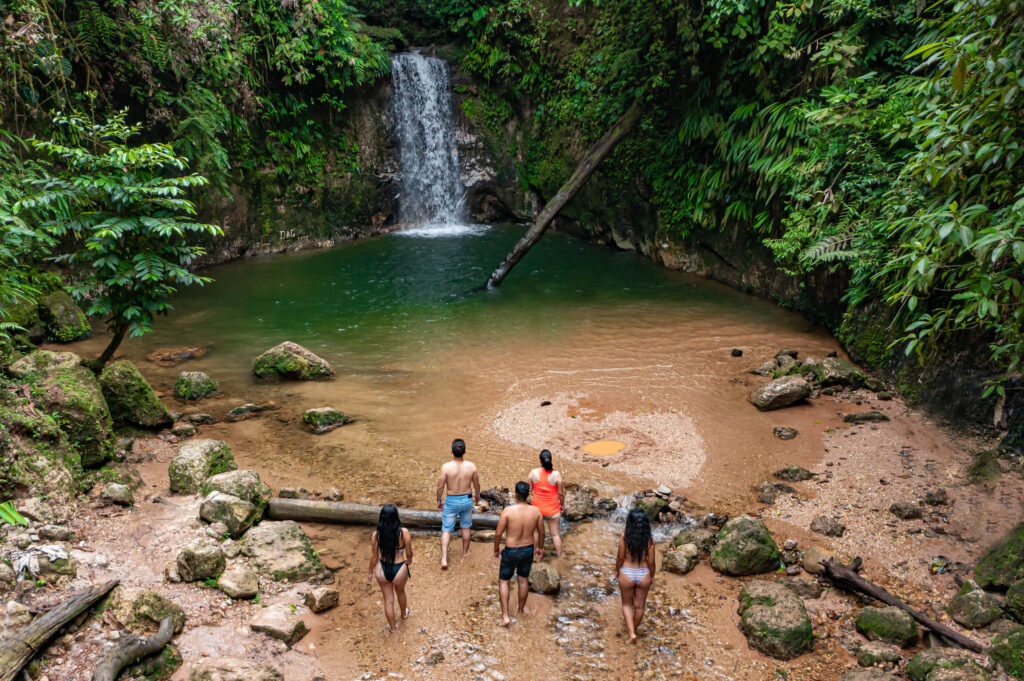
(389, 532)
(638, 534)
(545, 460)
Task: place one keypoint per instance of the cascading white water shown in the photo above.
(431, 192)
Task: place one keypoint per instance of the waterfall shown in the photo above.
(431, 192)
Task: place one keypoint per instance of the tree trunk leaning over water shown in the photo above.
(341, 513)
(847, 579)
(17, 651)
(133, 649)
(584, 170)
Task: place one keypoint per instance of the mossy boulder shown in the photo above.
(1007, 650)
(194, 385)
(652, 506)
(245, 485)
(291, 360)
(141, 610)
(836, 371)
(196, 461)
(782, 392)
(775, 620)
(63, 319)
(324, 419)
(41, 363)
(922, 664)
(701, 537)
(200, 559)
(74, 396)
(283, 552)
(157, 668)
(236, 514)
(1003, 563)
(745, 547)
(967, 670)
(973, 607)
(1015, 600)
(130, 398)
(889, 624)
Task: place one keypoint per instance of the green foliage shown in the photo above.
(9, 515)
(122, 210)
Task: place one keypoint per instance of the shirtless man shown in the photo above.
(525, 526)
(459, 476)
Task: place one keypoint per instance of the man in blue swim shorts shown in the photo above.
(460, 479)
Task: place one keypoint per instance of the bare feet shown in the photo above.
(632, 638)
(505, 621)
(444, 564)
(405, 615)
(465, 554)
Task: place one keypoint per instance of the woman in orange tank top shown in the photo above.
(549, 497)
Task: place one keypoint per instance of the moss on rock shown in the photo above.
(324, 419)
(1015, 600)
(64, 320)
(74, 397)
(130, 398)
(194, 385)
(157, 668)
(745, 547)
(1003, 563)
(1007, 650)
(775, 620)
(291, 360)
(888, 624)
(195, 462)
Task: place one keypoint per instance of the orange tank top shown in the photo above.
(545, 496)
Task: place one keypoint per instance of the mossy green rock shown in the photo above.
(41, 363)
(775, 620)
(837, 371)
(1007, 650)
(973, 607)
(888, 624)
(701, 537)
(1015, 600)
(245, 485)
(130, 398)
(745, 547)
(74, 396)
(196, 461)
(283, 552)
(237, 514)
(64, 320)
(324, 419)
(922, 664)
(158, 668)
(966, 671)
(200, 559)
(291, 360)
(1002, 564)
(877, 652)
(141, 611)
(194, 385)
(652, 506)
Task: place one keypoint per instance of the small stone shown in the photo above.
(877, 652)
(769, 491)
(281, 622)
(482, 536)
(183, 430)
(884, 396)
(231, 669)
(680, 559)
(321, 598)
(865, 417)
(937, 497)
(736, 352)
(334, 494)
(804, 588)
(236, 514)
(814, 557)
(663, 491)
(544, 579)
(199, 419)
(793, 474)
(434, 658)
(790, 545)
(246, 411)
(239, 582)
(830, 527)
(785, 433)
(906, 510)
(116, 493)
(200, 559)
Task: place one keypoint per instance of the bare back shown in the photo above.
(521, 522)
(459, 477)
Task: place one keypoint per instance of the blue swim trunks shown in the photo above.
(460, 505)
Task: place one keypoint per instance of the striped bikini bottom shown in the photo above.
(636, 575)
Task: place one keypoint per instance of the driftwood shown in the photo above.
(584, 170)
(16, 652)
(846, 578)
(132, 649)
(341, 513)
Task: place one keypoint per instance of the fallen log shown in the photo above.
(847, 579)
(342, 513)
(17, 651)
(584, 170)
(133, 649)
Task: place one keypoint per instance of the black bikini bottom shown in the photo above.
(390, 570)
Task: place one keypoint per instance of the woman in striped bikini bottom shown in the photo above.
(634, 567)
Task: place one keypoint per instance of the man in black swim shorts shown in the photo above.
(525, 541)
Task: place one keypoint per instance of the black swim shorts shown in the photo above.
(517, 560)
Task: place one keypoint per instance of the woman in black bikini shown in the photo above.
(392, 557)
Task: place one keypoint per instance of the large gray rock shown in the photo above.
(116, 493)
(775, 620)
(231, 669)
(745, 547)
(545, 579)
(321, 598)
(43, 363)
(130, 398)
(195, 462)
(239, 582)
(141, 610)
(283, 552)
(291, 360)
(701, 537)
(244, 484)
(281, 622)
(835, 371)
(830, 527)
(782, 392)
(877, 652)
(922, 664)
(814, 556)
(236, 514)
(200, 559)
(889, 624)
(974, 608)
(194, 385)
(680, 559)
(75, 394)
(579, 504)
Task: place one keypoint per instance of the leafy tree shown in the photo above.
(120, 210)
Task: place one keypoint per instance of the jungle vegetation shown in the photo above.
(879, 139)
